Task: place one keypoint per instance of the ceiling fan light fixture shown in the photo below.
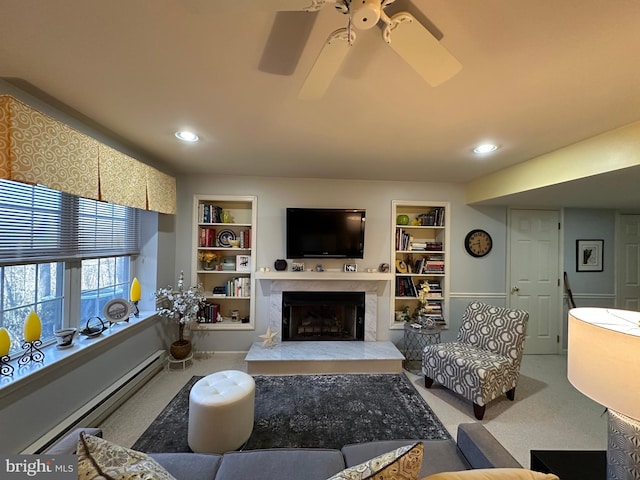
(365, 14)
(187, 136)
(485, 148)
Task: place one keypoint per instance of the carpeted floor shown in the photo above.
(326, 411)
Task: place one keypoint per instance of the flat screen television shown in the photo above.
(325, 233)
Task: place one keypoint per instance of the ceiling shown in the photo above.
(536, 76)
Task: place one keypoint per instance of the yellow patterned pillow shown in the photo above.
(493, 474)
(99, 459)
(403, 463)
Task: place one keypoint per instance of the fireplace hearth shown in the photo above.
(323, 316)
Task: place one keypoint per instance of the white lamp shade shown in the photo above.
(604, 357)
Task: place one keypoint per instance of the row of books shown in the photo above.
(208, 213)
(234, 287)
(407, 287)
(207, 237)
(425, 246)
(210, 313)
(434, 217)
(428, 265)
(405, 241)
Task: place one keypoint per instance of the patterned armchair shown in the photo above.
(484, 361)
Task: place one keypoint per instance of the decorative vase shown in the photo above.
(402, 219)
(180, 349)
(211, 265)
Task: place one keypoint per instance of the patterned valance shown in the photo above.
(37, 149)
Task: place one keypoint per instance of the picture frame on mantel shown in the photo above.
(589, 255)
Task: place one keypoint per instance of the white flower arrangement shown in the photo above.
(423, 296)
(180, 304)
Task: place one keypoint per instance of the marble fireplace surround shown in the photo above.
(369, 287)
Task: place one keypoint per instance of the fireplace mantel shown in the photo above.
(326, 275)
(373, 284)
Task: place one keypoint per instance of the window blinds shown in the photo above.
(39, 225)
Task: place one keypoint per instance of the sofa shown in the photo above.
(475, 448)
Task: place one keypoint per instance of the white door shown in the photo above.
(628, 262)
(534, 275)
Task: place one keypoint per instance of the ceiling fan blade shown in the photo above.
(289, 34)
(299, 5)
(415, 44)
(326, 65)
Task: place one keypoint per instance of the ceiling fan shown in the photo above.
(402, 32)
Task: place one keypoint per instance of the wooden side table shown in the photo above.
(415, 339)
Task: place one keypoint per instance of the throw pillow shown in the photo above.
(493, 474)
(99, 459)
(403, 463)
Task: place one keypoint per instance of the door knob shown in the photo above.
(515, 289)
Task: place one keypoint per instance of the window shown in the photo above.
(37, 287)
(47, 238)
(103, 279)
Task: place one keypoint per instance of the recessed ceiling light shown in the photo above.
(187, 136)
(485, 148)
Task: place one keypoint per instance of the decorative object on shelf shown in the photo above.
(243, 263)
(268, 338)
(280, 265)
(64, 337)
(319, 268)
(350, 267)
(227, 217)
(181, 305)
(94, 327)
(478, 243)
(209, 259)
(401, 266)
(235, 243)
(6, 368)
(423, 316)
(224, 237)
(589, 255)
(31, 333)
(402, 219)
(603, 364)
(297, 267)
(134, 296)
(383, 268)
(117, 310)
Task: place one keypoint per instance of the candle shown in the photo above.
(136, 293)
(32, 327)
(5, 342)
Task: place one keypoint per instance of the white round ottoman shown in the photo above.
(221, 412)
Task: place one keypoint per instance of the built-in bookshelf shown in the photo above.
(224, 232)
(420, 256)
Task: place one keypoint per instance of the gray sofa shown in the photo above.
(475, 448)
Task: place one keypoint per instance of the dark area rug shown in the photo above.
(326, 411)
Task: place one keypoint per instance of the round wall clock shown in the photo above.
(478, 243)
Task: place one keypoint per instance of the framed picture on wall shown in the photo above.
(589, 255)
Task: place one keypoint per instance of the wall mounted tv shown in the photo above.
(325, 233)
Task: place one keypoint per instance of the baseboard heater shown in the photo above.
(103, 404)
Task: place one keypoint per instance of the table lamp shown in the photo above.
(604, 363)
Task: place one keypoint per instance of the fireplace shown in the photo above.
(323, 315)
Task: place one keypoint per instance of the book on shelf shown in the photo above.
(403, 239)
(207, 237)
(405, 287)
(434, 217)
(209, 313)
(434, 266)
(208, 213)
